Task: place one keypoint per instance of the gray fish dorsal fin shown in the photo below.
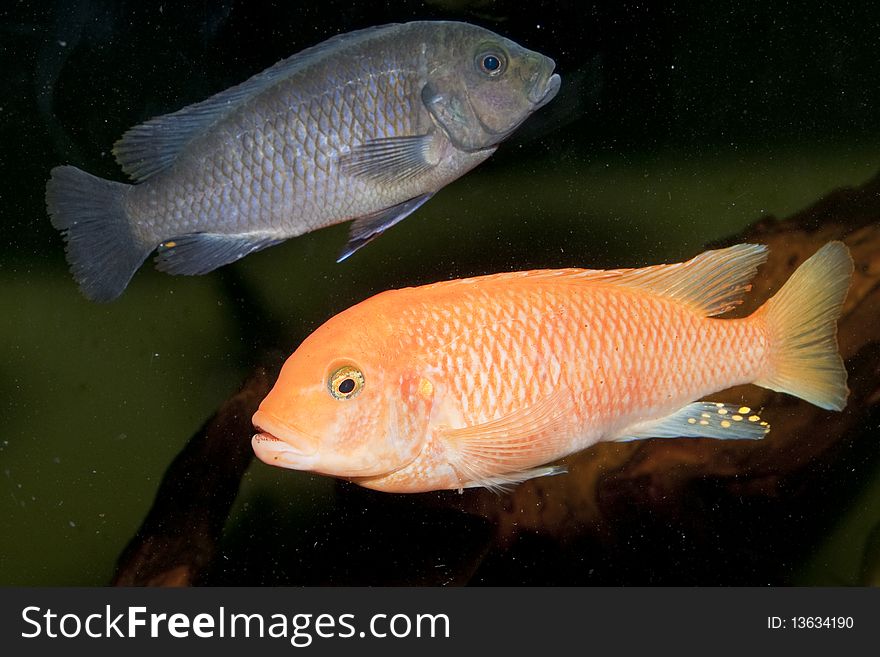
(153, 146)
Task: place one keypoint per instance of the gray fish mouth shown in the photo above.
(550, 91)
(541, 94)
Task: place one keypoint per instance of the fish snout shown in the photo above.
(279, 443)
(546, 82)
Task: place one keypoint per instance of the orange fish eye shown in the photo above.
(345, 382)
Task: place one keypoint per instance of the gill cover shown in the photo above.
(478, 106)
(408, 419)
(446, 98)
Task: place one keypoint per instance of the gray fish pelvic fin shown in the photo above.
(389, 160)
(199, 253)
(102, 249)
(366, 229)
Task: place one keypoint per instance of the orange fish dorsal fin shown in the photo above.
(712, 282)
(505, 450)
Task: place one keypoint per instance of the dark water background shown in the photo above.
(677, 124)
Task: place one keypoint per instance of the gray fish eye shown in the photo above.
(491, 63)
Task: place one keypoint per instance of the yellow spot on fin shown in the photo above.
(693, 421)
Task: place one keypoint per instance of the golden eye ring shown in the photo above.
(345, 382)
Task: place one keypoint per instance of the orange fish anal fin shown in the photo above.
(701, 420)
(505, 450)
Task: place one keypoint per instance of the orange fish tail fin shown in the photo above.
(801, 322)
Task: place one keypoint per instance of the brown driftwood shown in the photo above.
(177, 540)
(657, 474)
(614, 493)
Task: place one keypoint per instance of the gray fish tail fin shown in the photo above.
(801, 321)
(102, 251)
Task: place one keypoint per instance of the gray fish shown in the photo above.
(365, 126)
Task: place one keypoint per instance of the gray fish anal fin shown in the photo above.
(365, 229)
(390, 159)
(153, 146)
(702, 420)
(199, 253)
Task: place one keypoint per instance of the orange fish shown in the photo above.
(483, 381)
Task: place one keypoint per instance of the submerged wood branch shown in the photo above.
(609, 480)
(177, 541)
(613, 491)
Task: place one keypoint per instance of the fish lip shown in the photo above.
(272, 430)
(541, 94)
(275, 451)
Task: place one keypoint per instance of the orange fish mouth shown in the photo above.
(278, 443)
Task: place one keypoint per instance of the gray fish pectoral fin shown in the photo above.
(701, 420)
(365, 229)
(199, 253)
(389, 160)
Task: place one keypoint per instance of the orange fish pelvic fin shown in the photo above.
(505, 450)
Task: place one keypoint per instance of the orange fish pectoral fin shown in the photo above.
(501, 483)
(506, 450)
(701, 420)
